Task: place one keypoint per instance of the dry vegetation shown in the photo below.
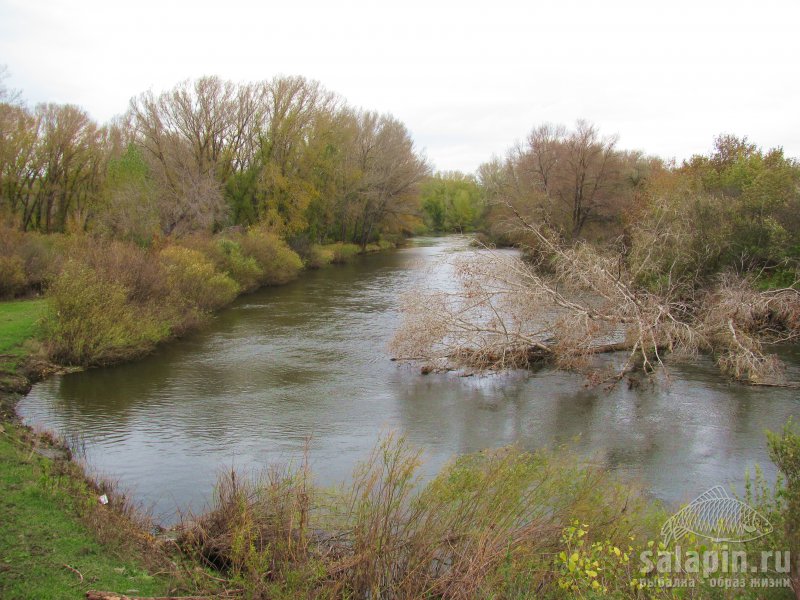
(562, 303)
(502, 523)
(488, 524)
(112, 300)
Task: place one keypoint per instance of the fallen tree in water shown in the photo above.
(572, 302)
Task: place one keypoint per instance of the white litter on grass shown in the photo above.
(103, 499)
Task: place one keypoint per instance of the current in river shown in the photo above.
(310, 360)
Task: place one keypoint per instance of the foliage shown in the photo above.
(229, 258)
(451, 202)
(90, 320)
(130, 207)
(279, 263)
(194, 279)
(733, 210)
(595, 569)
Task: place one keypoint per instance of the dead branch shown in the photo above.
(74, 570)
(506, 312)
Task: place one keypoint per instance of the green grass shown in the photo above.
(41, 532)
(18, 323)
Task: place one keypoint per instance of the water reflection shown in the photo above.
(310, 359)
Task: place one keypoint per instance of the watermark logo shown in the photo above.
(728, 523)
(718, 517)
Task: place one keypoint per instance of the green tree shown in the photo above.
(452, 202)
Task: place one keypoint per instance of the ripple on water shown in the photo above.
(310, 359)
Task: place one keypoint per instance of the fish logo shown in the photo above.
(718, 517)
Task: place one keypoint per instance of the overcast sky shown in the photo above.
(468, 79)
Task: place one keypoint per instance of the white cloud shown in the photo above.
(467, 78)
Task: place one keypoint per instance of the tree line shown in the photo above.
(209, 154)
(621, 251)
(735, 208)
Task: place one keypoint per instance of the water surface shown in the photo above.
(311, 359)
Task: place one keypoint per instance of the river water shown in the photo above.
(311, 359)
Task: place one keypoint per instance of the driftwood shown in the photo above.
(96, 595)
(535, 353)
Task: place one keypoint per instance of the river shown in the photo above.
(310, 359)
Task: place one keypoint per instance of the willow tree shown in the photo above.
(19, 163)
(391, 172)
(193, 136)
(71, 162)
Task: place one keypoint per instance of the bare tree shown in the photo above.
(191, 134)
(8, 95)
(391, 172)
(564, 179)
(505, 313)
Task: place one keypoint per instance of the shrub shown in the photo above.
(43, 256)
(344, 252)
(91, 322)
(194, 280)
(488, 525)
(279, 263)
(28, 260)
(244, 270)
(258, 533)
(127, 264)
(319, 256)
(784, 450)
(12, 276)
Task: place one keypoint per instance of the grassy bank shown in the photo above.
(109, 301)
(19, 324)
(56, 540)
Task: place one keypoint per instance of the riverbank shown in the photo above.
(57, 540)
(111, 302)
(324, 548)
(18, 327)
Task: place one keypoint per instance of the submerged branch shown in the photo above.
(506, 313)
